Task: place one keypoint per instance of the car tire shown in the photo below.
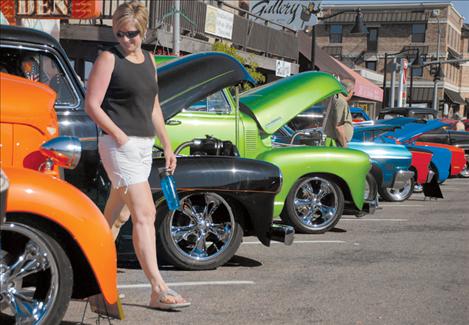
(371, 192)
(308, 189)
(400, 195)
(202, 235)
(49, 282)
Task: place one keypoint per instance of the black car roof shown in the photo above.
(407, 109)
(27, 35)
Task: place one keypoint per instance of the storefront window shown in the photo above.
(335, 35)
(418, 33)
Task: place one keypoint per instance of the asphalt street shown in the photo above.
(406, 264)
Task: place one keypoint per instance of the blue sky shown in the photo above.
(461, 5)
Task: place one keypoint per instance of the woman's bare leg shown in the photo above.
(116, 212)
(139, 200)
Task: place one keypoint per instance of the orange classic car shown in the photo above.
(55, 243)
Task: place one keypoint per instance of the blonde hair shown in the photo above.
(135, 11)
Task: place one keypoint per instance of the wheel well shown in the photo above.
(340, 182)
(377, 174)
(413, 169)
(84, 281)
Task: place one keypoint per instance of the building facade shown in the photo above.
(435, 30)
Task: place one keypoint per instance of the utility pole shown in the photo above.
(436, 14)
(176, 27)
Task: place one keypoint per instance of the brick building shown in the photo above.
(435, 29)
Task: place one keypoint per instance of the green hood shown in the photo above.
(277, 103)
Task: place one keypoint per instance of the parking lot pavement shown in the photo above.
(406, 264)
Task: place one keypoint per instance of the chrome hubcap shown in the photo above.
(203, 227)
(465, 171)
(400, 194)
(26, 263)
(316, 203)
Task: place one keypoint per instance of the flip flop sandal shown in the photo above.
(167, 306)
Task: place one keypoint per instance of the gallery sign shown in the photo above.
(282, 68)
(283, 12)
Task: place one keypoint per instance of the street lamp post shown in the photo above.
(417, 62)
(358, 28)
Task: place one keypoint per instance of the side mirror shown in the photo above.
(63, 151)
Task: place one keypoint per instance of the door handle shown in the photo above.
(173, 122)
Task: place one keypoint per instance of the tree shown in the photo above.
(250, 65)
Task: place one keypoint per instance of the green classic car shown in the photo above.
(318, 182)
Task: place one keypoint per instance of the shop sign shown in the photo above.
(282, 68)
(7, 7)
(283, 12)
(219, 22)
(43, 9)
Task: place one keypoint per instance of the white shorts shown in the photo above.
(128, 164)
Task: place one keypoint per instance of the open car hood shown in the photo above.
(275, 104)
(191, 78)
(411, 130)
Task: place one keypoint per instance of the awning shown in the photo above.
(363, 87)
(454, 97)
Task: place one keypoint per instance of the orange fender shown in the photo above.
(49, 197)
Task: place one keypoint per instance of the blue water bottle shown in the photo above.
(168, 186)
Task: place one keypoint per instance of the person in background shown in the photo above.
(122, 98)
(459, 126)
(338, 126)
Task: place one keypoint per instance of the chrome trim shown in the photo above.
(401, 178)
(282, 233)
(430, 176)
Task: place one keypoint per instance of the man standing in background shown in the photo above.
(338, 127)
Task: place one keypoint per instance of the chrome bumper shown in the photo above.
(282, 233)
(401, 178)
(430, 176)
(370, 206)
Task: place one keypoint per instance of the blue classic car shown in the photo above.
(400, 130)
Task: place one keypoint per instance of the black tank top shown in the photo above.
(130, 95)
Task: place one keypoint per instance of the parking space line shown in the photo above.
(397, 205)
(299, 242)
(367, 219)
(182, 284)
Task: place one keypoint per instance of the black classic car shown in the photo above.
(223, 196)
(417, 112)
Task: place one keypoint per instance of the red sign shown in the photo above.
(7, 7)
(50, 9)
(86, 9)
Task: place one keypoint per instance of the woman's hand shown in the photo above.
(170, 158)
(121, 139)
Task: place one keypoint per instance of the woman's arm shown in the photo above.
(98, 83)
(158, 123)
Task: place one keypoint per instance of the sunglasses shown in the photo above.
(131, 34)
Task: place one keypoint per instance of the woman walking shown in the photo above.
(122, 98)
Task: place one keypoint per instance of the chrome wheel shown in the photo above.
(203, 228)
(25, 264)
(314, 205)
(399, 195)
(465, 172)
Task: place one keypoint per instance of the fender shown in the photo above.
(251, 182)
(349, 165)
(441, 159)
(49, 197)
(458, 160)
(421, 159)
(390, 158)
